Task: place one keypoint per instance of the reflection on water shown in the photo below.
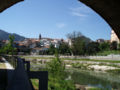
(100, 80)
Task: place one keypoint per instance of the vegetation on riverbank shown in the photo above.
(95, 89)
(115, 71)
(57, 79)
(108, 52)
(57, 76)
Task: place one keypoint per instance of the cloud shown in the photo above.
(78, 14)
(81, 11)
(60, 25)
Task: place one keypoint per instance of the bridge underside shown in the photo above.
(4, 4)
(108, 9)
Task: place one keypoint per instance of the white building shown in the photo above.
(69, 41)
(114, 37)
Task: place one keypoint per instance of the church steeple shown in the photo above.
(39, 36)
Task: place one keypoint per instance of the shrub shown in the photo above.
(56, 70)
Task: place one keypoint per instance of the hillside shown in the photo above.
(5, 36)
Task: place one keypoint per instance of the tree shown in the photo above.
(92, 48)
(51, 50)
(113, 45)
(64, 48)
(9, 48)
(78, 47)
(79, 42)
(74, 35)
(104, 46)
(57, 75)
(11, 42)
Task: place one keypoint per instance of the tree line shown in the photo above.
(81, 45)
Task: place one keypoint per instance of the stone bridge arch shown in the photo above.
(109, 10)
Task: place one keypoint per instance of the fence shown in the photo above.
(20, 77)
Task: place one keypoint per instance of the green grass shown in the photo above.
(116, 71)
(95, 89)
(105, 53)
(35, 83)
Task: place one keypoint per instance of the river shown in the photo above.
(105, 81)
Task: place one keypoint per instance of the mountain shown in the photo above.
(85, 39)
(5, 36)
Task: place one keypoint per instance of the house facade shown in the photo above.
(114, 37)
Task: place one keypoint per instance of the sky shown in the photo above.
(53, 19)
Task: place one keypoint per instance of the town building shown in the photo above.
(69, 41)
(100, 40)
(114, 37)
(38, 45)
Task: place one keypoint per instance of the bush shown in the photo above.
(57, 81)
(95, 89)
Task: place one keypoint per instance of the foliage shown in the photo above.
(74, 35)
(104, 46)
(113, 45)
(57, 80)
(108, 52)
(78, 43)
(96, 89)
(55, 66)
(82, 45)
(9, 48)
(115, 71)
(92, 48)
(64, 49)
(35, 83)
(51, 50)
(78, 46)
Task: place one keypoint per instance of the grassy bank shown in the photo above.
(108, 52)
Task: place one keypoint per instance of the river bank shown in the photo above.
(88, 73)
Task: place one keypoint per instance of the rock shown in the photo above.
(68, 66)
(80, 87)
(89, 87)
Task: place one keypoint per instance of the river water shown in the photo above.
(105, 81)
